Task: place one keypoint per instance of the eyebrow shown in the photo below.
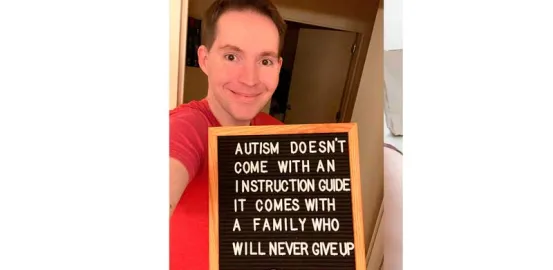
(230, 47)
(237, 49)
(269, 53)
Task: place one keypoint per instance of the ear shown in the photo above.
(203, 53)
(280, 63)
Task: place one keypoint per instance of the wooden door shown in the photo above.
(319, 75)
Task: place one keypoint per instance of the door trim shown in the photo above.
(182, 51)
(356, 66)
(320, 19)
(375, 255)
(177, 50)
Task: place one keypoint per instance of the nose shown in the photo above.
(249, 75)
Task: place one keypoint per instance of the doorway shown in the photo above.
(315, 69)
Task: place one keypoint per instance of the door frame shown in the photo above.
(356, 67)
(375, 253)
(357, 63)
(177, 53)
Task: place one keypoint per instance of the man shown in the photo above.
(241, 57)
(241, 40)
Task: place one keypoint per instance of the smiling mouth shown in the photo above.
(246, 95)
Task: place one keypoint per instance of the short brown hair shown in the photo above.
(219, 7)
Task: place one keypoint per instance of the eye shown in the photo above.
(266, 62)
(230, 57)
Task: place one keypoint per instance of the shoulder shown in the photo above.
(195, 114)
(188, 130)
(265, 119)
(188, 124)
(192, 109)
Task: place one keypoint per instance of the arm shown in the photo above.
(187, 145)
(178, 180)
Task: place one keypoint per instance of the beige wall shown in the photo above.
(368, 114)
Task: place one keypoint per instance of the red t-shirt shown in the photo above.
(189, 224)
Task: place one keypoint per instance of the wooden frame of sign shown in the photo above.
(285, 197)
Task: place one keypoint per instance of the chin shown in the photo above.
(245, 113)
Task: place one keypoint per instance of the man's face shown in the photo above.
(242, 65)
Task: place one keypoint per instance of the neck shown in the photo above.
(224, 118)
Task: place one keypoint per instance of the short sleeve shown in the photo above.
(188, 139)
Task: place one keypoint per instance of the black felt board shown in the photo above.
(227, 215)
